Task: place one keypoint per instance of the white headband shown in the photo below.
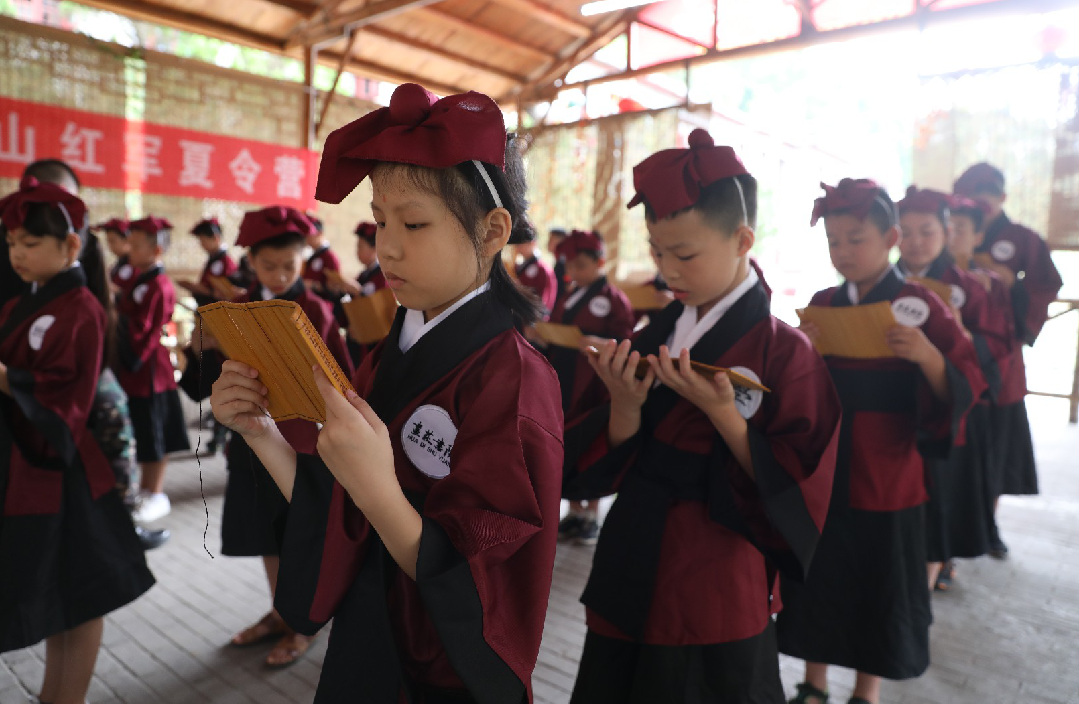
(67, 217)
(490, 184)
(742, 197)
(887, 208)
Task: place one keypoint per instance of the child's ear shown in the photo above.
(892, 236)
(746, 238)
(497, 226)
(72, 243)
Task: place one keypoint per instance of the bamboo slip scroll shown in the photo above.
(370, 317)
(223, 288)
(560, 335)
(943, 290)
(859, 332)
(644, 297)
(277, 339)
(701, 368)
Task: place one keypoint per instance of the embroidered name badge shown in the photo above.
(531, 270)
(427, 438)
(910, 311)
(217, 267)
(1003, 250)
(125, 272)
(959, 297)
(139, 293)
(600, 306)
(316, 265)
(369, 288)
(747, 401)
(38, 330)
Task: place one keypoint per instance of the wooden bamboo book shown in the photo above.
(701, 368)
(984, 260)
(223, 288)
(852, 331)
(560, 335)
(277, 339)
(334, 277)
(938, 287)
(644, 297)
(370, 317)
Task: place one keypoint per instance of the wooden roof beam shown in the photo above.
(443, 54)
(369, 69)
(549, 16)
(335, 25)
(303, 7)
(486, 34)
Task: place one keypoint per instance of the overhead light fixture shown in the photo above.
(601, 6)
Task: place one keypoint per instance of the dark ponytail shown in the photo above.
(92, 259)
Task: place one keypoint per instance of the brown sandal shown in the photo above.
(288, 650)
(269, 626)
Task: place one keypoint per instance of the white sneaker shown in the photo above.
(151, 507)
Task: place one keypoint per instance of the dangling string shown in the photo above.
(198, 444)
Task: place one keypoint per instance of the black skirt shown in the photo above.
(1016, 473)
(252, 504)
(65, 569)
(614, 671)
(158, 420)
(865, 604)
(959, 515)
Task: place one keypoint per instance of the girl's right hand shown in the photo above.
(239, 401)
(616, 365)
(810, 330)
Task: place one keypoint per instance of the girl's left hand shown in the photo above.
(355, 443)
(910, 344)
(710, 395)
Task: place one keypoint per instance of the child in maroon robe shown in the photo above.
(957, 522)
(321, 260)
(425, 526)
(275, 238)
(116, 230)
(718, 486)
(68, 550)
(1020, 257)
(368, 282)
(865, 605)
(536, 275)
(218, 262)
(145, 367)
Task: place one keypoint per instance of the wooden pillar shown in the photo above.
(310, 57)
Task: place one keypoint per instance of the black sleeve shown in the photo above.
(200, 374)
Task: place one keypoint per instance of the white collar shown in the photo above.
(852, 288)
(688, 329)
(373, 265)
(413, 327)
(573, 298)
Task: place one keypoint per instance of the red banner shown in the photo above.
(111, 152)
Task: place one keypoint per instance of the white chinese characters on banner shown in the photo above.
(79, 148)
(141, 154)
(245, 170)
(195, 167)
(12, 152)
(290, 171)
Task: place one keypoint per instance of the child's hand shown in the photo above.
(710, 395)
(810, 330)
(1006, 274)
(239, 401)
(592, 341)
(617, 368)
(911, 344)
(351, 288)
(983, 279)
(355, 444)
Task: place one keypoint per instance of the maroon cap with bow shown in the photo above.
(962, 204)
(150, 225)
(14, 207)
(416, 128)
(924, 200)
(120, 225)
(672, 179)
(579, 241)
(855, 196)
(206, 226)
(274, 221)
(367, 230)
(980, 178)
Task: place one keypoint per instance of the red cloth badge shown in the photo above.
(925, 200)
(115, 224)
(415, 129)
(978, 177)
(150, 225)
(852, 195)
(579, 241)
(672, 179)
(14, 207)
(276, 220)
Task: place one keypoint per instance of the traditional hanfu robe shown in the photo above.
(252, 499)
(599, 309)
(474, 418)
(370, 280)
(536, 275)
(1036, 286)
(68, 550)
(122, 273)
(145, 367)
(218, 264)
(865, 604)
(680, 597)
(321, 260)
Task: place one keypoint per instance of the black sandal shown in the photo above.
(806, 692)
(946, 577)
(857, 700)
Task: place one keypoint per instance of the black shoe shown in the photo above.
(151, 539)
(998, 550)
(570, 527)
(588, 534)
(806, 693)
